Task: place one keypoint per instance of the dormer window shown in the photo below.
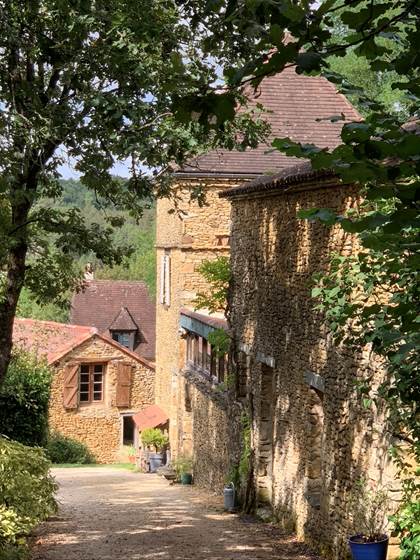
(124, 330)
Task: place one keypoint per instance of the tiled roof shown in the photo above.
(101, 302)
(294, 175)
(54, 340)
(123, 321)
(150, 417)
(300, 107)
(49, 339)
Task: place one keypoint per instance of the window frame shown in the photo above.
(201, 357)
(91, 382)
(129, 337)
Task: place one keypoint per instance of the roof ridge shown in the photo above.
(55, 324)
(105, 281)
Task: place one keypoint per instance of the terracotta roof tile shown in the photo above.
(47, 338)
(99, 304)
(150, 417)
(295, 102)
(54, 340)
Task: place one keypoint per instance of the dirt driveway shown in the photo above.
(107, 513)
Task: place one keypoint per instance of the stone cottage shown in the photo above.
(188, 387)
(98, 385)
(311, 438)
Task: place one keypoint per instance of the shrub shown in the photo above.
(183, 465)
(62, 449)
(26, 492)
(154, 437)
(24, 397)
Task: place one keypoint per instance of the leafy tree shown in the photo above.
(97, 81)
(373, 297)
(29, 307)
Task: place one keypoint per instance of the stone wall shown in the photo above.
(189, 236)
(99, 425)
(311, 436)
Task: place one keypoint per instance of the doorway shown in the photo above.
(129, 431)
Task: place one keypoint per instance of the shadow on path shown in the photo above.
(111, 514)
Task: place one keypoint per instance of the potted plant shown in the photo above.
(183, 466)
(370, 508)
(156, 441)
(131, 452)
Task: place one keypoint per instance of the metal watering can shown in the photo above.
(229, 497)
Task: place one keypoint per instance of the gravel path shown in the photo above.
(107, 513)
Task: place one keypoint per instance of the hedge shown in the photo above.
(24, 398)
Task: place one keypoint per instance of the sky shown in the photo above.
(67, 170)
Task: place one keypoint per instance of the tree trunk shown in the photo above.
(15, 277)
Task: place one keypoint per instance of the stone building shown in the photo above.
(98, 385)
(311, 438)
(192, 393)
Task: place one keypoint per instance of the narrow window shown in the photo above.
(91, 383)
(165, 280)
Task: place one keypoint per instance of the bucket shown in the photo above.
(368, 551)
(186, 478)
(229, 497)
(155, 461)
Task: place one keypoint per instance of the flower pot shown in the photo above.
(368, 551)
(155, 461)
(132, 459)
(186, 478)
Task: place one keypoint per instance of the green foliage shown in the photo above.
(62, 449)
(99, 83)
(29, 307)
(24, 399)
(26, 491)
(153, 437)
(16, 551)
(407, 526)
(220, 341)
(183, 465)
(245, 460)
(217, 273)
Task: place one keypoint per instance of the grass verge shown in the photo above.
(124, 466)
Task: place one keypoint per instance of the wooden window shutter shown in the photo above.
(168, 280)
(162, 280)
(123, 384)
(71, 386)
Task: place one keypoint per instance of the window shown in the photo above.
(91, 383)
(124, 338)
(165, 280)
